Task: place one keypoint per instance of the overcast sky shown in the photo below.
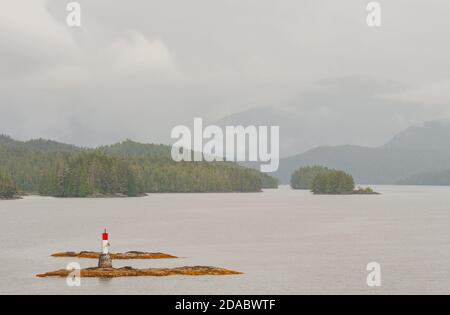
(135, 69)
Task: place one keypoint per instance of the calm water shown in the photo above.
(286, 242)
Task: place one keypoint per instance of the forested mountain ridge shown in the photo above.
(127, 169)
(122, 149)
(40, 145)
(131, 148)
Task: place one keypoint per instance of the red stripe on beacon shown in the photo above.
(105, 243)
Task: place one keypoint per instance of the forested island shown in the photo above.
(127, 169)
(303, 178)
(324, 181)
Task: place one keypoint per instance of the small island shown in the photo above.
(303, 178)
(324, 181)
(117, 256)
(105, 268)
(364, 191)
(132, 272)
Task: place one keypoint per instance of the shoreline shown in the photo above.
(13, 198)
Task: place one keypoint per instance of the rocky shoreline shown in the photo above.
(15, 197)
(152, 272)
(116, 256)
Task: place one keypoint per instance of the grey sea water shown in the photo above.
(285, 241)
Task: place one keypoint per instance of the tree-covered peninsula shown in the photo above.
(125, 169)
(90, 175)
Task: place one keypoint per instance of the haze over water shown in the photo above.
(285, 241)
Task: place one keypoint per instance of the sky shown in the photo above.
(137, 69)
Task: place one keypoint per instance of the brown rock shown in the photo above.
(152, 272)
(114, 256)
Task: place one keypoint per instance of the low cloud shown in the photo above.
(433, 97)
(31, 40)
(135, 70)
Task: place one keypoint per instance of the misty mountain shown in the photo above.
(342, 110)
(432, 135)
(267, 116)
(368, 165)
(434, 178)
(416, 150)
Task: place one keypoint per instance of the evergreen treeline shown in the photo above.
(7, 187)
(27, 166)
(130, 148)
(269, 182)
(303, 178)
(333, 182)
(163, 175)
(128, 168)
(91, 174)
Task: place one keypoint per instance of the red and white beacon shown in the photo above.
(105, 243)
(105, 260)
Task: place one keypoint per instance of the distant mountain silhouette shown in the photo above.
(419, 149)
(434, 178)
(433, 135)
(343, 110)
